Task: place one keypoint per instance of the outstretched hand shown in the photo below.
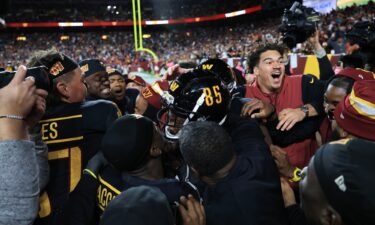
(314, 41)
(192, 212)
(289, 117)
(257, 109)
(174, 71)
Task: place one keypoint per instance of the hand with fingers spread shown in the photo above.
(314, 41)
(289, 117)
(174, 71)
(288, 194)
(192, 212)
(282, 161)
(257, 109)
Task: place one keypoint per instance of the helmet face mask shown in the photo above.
(231, 86)
(173, 126)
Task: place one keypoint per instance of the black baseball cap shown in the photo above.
(345, 171)
(138, 205)
(91, 66)
(126, 144)
(112, 72)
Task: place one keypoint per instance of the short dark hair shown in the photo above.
(206, 146)
(345, 83)
(253, 59)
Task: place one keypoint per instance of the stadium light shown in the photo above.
(146, 35)
(109, 7)
(237, 13)
(156, 22)
(136, 22)
(64, 38)
(21, 38)
(104, 37)
(70, 24)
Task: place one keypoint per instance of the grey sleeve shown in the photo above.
(19, 183)
(41, 151)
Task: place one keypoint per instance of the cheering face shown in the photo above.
(332, 97)
(117, 85)
(98, 85)
(270, 71)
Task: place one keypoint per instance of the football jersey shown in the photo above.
(73, 134)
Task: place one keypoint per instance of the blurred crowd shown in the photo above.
(191, 44)
(85, 142)
(151, 10)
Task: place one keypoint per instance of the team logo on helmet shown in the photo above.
(207, 66)
(174, 86)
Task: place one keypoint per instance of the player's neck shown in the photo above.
(152, 170)
(221, 174)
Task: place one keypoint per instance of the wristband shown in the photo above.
(14, 117)
(320, 53)
(296, 175)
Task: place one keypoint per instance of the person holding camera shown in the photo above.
(70, 128)
(360, 45)
(22, 106)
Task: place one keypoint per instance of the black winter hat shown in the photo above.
(138, 205)
(126, 144)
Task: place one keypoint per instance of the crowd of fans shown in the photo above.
(83, 143)
(192, 44)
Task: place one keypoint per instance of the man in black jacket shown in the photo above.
(70, 128)
(133, 147)
(241, 188)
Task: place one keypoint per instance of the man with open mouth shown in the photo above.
(96, 78)
(294, 99)
(124, 98)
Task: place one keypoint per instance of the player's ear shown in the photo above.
(155, 151)
(62, 89)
